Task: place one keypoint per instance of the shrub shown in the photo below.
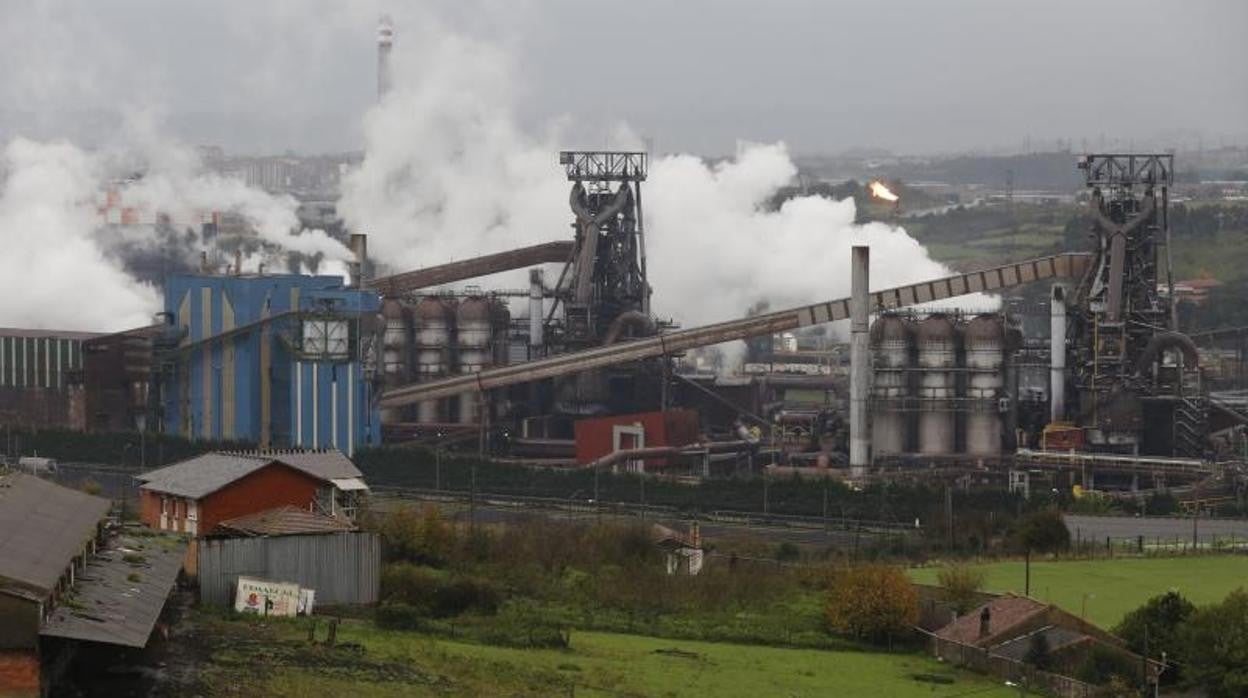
(1042, 532)
(462, 595)
(962, 584)
(1157, 623)
(399, 616)
(417, 535)
(405, 583)
(1215, 641)
(871, 602)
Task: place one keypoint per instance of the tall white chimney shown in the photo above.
(385, 39)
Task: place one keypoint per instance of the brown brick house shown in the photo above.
(196, 495)
(996, 638)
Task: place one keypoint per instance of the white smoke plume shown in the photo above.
(54, 273)
(449, 174)
(50, 218)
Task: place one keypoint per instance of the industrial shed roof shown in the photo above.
(202, 475)
(283, 521)
(46, 334)
(42, 527)
(117, 600)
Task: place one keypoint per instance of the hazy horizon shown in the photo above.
(909, 77)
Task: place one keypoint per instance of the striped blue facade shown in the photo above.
(253, 386)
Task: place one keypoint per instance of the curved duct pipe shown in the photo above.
(580, 207)
(635, 319)
(589, 240)
(1163, 341)
(615, 457)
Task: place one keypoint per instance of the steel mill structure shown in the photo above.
(280, 360)
(1095, 375)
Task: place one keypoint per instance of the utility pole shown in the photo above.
(949, 513)
(1027, 572)
(766, 494)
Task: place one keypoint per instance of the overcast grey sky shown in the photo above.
(694, 75)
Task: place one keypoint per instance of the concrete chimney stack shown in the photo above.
(1057, 355)
(859, 361)
(385, 40)
(537, 290)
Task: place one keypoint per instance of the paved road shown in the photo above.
(1156, 528)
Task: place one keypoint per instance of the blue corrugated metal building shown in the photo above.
(271, 359)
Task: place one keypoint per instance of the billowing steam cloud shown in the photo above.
(54, 272)
(449, 174)
(67, 270)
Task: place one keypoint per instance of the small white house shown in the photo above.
(682, 553)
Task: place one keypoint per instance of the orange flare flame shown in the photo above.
(879, 191)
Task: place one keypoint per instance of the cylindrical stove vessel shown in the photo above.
(890, 349)
(474, 327)
(984, 343)
(434, 319)
(936, 342)
(396, 369)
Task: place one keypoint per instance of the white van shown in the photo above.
(36, 465)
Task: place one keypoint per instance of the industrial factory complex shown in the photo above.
(1094, 385)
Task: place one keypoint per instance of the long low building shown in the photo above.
(65, 574)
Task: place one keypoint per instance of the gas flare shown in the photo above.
(879, 191)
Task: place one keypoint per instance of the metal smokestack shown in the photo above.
(385, 39)
(359, 260)
(537, 288)
(859, 362)
(1057, 355)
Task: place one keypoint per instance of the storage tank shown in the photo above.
(936, 342)
(984, 341)
(475, 330)
(394, 351)
(890, 350)
(434, 319)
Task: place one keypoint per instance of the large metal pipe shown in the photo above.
(537, 289)
(859, 361)
(1057, 354)
(545, 253)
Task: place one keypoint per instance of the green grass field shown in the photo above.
(607, 664)
(399, 663)
(1115, 587)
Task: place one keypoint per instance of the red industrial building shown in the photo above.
(600, 436)
(197, 494)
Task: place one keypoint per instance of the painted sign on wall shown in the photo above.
(264, 598)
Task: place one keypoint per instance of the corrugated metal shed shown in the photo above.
(118, 602)
(283, 521)
(343, 568)
(42, 527)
